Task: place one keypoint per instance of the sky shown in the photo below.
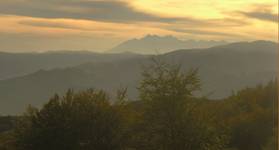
(98, 25)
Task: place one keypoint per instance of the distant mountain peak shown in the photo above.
(153, 36)
(152, 44)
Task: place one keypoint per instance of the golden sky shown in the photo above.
(97, 25)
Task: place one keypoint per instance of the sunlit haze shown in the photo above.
(98, 25)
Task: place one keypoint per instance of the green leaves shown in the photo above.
(168, 116)
(83, 120)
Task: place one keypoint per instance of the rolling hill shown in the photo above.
(18, 64)
(222, 69)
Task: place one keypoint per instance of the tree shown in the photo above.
(169, 119)
(254, 119)
(84, 120)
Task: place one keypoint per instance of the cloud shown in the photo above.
(48, 24)
(202, 32)
(260, 12)
(109, 10)
(33, 42)
(69, 24)
(265, 16)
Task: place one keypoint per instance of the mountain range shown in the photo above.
(222, 70)
(18, 64)
(154, 44)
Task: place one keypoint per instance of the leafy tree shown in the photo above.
(251, 116)
(169, 119)
(6, 141)
(6, 127)
(84, 120)
(254, 121)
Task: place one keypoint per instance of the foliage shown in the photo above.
(167, 116)
(84, 120)
(170, 121)
(250, 115)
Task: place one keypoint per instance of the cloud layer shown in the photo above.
(265, 16)
(109, 10)
(101, 24)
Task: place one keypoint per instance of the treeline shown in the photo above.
(167, 116)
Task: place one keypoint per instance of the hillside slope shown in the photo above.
(222, 69)
(18, 64)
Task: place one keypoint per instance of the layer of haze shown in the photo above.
(98, 25)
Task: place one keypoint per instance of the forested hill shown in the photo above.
(222, 69)
(18, 64)
(245, 120)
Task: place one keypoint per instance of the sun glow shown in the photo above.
(200, 8)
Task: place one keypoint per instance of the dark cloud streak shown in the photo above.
(108, 11)
(261, 12)
(265, 16)
(202, 32)
(47, 24)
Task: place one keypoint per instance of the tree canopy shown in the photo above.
(167, 116)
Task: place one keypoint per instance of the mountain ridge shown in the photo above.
(18, 64)
(222, 70)
(154, 44)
